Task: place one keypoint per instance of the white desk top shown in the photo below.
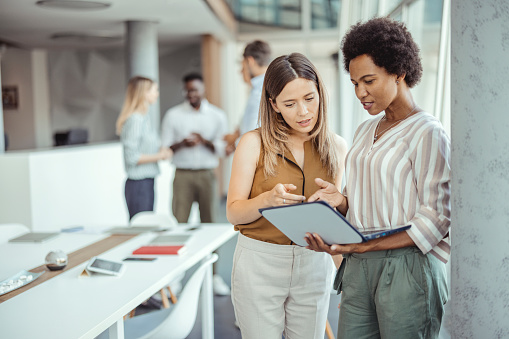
(69, 306)
(14, 255)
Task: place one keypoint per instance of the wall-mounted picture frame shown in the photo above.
(10, 97)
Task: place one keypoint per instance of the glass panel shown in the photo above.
(373, 8)
(390, 5)
(324, 13)
(290, 18)
(284, 13)
(433, 11)
(425, 24)
(397, 16)
(268, 15)
(249, 13)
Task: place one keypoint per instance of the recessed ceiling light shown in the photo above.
(76, 5)
(85, 38)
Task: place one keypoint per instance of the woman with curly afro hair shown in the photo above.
(397, 173)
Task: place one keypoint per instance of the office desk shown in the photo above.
(69, 306)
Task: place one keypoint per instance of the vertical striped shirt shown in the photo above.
(402, 179)
(138, 137)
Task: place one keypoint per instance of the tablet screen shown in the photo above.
(106, 265)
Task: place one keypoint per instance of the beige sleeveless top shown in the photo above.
(288, 173)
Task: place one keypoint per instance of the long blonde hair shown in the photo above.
(135, 99)
(274, 129)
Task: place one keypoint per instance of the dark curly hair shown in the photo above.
(388, 43)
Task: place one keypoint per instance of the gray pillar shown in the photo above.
(480, 169)
(142, 56)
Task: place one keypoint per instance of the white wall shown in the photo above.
(87, 90)
(87, 87)
(173, 65)
(15, 202)
(71, 186)
(77, 185)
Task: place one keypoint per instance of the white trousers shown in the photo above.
(280, 289)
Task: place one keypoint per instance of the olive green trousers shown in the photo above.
(391, 294)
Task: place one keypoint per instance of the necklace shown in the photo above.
(377, 133)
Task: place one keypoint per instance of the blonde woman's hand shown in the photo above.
(165, 153)
(280, 195)
(328, 192)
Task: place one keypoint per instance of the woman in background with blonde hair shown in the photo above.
(141, 144)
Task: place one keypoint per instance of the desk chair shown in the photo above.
(150, 218)
(174, 323)
(9, 231)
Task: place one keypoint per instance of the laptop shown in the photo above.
(320, 218)
(35, 237)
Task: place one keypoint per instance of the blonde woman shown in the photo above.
(141, 144)
(278, 287)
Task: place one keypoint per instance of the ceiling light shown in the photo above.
(76, 5)
(85, 38)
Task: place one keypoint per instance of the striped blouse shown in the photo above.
(138, 137)
(402, 179)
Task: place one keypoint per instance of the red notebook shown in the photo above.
(155, 250)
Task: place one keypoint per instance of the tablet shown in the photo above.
(320, 218)
(104, 266)
(171, 239)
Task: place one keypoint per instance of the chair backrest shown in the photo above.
(180, 321)
(9, 231)
(149, 218)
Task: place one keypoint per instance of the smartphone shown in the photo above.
(140, 259)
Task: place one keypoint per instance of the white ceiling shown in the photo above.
(25, 24)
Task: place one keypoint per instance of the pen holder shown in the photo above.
(56, 260)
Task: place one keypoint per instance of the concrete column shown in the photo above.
(480, 165)
(142, 56)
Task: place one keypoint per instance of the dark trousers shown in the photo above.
(139, 195)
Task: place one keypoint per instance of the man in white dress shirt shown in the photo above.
(256, 59)
(194, 130)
